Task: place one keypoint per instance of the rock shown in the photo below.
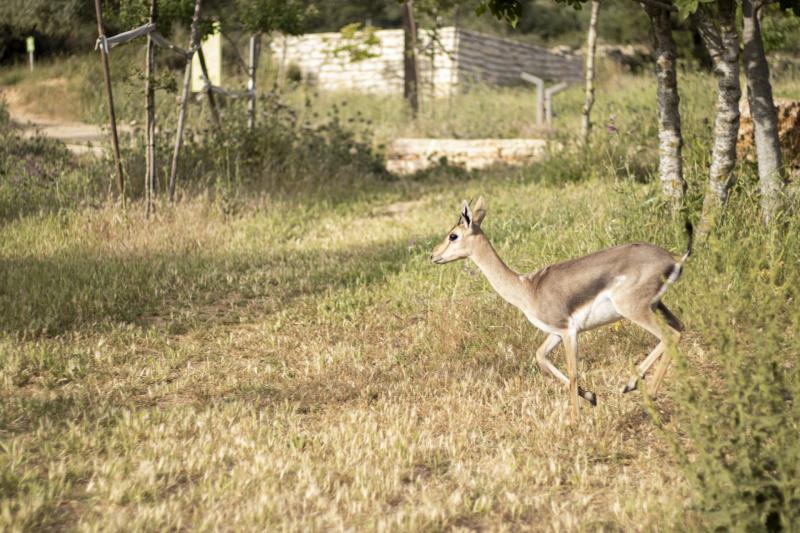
(629, 58)
(788, 132)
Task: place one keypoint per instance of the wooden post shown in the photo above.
(187, 76)
(112, 119)
(255, 51)
(150, 103)
(211, 102)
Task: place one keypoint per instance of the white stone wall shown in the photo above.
(406, 156)
(313, 53)
(457, 56)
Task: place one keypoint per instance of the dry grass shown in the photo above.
(301, 368)
(300, 365)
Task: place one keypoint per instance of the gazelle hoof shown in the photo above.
(589, 396)
(630, 387)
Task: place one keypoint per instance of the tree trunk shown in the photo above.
(187, 76)
(150, 102)
(670, 141)
(410, 66)
(722, 42)
(591, 48)
(765, 117)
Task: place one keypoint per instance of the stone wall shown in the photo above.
(455, 57)
(383, 74)
(406, 156)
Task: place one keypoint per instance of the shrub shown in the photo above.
(39, 174)
(281, 154)
(737, 427)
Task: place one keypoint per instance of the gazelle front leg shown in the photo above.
(545, 365)
(571, 346)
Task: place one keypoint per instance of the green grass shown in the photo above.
(272, 357)
(300, 367)
(305, 367)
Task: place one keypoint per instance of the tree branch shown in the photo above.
(708, 31)
(656, 3)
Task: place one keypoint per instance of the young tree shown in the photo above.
(717, 27)
(410, 62)
(762, 108)
(591, 48)
(187, 76)
(670, 139)
(151, 176)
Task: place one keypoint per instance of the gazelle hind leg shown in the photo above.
(676, 328)
(661, 372)
(645, 317)
(643, 367)
(545, 365)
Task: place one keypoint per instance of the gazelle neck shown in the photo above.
(505, 281)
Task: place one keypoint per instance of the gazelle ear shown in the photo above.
(479, 211)
(466, 215)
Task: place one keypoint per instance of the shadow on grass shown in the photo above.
(71, 291)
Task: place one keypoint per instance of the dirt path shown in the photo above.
(79, 137)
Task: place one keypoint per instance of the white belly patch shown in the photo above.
(599, 312)
(538, 323)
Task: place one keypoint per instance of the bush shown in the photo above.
(736, 434)
(39, 174)
(281, 154)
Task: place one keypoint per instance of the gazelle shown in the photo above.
(567, 298)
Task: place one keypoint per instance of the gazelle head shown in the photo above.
(460, 241)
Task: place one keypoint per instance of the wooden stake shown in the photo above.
(150, 102)
(112, 119)
(187, 76)
(211, 102)
(255, 50)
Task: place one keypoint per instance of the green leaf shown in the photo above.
(686, 8)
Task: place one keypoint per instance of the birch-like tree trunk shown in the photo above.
(670, 140)
(187, 76)
(721, 38)
(771, 175)
(150, 104)
(410, 67)
(591, 48)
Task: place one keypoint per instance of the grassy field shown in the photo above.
(307, 367)
(297, 363)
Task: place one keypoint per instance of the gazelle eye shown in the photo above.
(453, 236)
